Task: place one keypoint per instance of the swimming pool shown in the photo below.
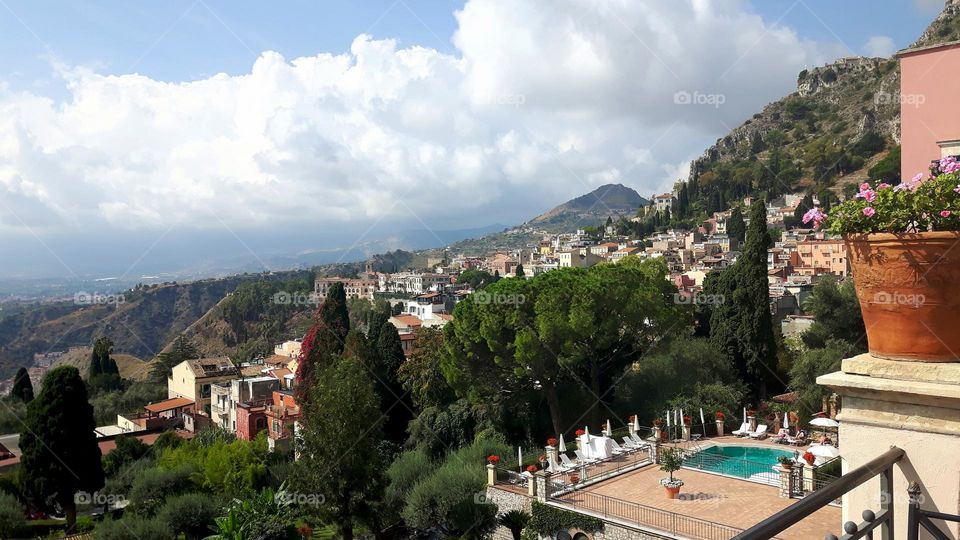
(753, 463)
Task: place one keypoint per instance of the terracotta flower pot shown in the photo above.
(672, 492)
(906, 284)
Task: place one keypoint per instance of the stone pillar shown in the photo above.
(784, 488)
(657, 433)
(491, 474)
(532, 486)
(630, 427)
(752, 420)
(914, 406)
(540, 479)
(796, 480)
(719, 428)
(686, 433)
(655, 452)
(809, 478)
(552, 453)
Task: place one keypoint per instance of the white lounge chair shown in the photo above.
(557, 468)
(640, 443)
(570, 465)
(743, 431)
(584, 459)
(630, 443)
(617, 449)
(760, 433)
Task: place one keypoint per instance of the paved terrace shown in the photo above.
(727, 501)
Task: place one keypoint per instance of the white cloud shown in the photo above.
(880, 46)
(544, 100)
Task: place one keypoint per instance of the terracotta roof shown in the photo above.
(251, 371)
(168, 405)
(408, 320)
(789, 397)
(407, 337)
(280, 373)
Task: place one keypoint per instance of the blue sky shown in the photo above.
(199, 129)
(185, 39)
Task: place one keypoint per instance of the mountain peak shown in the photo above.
(945, 28)
(605, 201)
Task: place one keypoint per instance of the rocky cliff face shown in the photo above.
(842, 100)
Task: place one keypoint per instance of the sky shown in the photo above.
(135, 135)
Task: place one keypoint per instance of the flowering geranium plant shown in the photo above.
(580, 432)
(552, 441)
(920, 204)
(686, 420)
(532, 469)
(493, 459)
(720, 416)
(809, 457)
(658, 422)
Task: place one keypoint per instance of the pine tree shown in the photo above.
(519, 271)
(394, 402)
(60, 456)
(22, 387)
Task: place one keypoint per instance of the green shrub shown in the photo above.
(192, 514)
(11, 515)
(547, 520)
(136, 528)
(153, 486)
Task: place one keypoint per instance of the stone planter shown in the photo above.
(719, 428)
(686, 433)
(672, 492)
(905, 284)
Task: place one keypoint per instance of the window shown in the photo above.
(261, 423)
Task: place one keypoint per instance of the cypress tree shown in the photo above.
(60, 456)
(22, 387)
(736, 228)
(519, 271)
(394, 402)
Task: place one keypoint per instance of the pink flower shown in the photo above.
(944, 213)
(910, 184)
(957, 189)
(949, 164)
(883, 185)
(865, 186)
(816, 216)
(869, 211)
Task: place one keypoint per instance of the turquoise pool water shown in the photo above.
(750, 462)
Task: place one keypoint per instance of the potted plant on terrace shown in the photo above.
(720, 419)
(671, 460)
(900, 242)
(785, 462)
(809, 457)
(658, 430)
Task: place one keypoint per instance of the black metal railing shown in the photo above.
(917, 517)
(647, 516)
(881, 466)
(589, 473)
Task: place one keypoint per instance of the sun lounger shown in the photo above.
(567, 462)
(617, 449)
(557, 468)
(760, 433)
(584, 459)
(743, 431)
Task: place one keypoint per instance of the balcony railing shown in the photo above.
(881, 466)
(917, 517)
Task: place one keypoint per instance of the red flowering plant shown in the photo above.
(580, 432)
(686, 420)
(658, 422)
(921, 204)
(542, 458)
(809, 457)
(552, 441)
(720, 416)
(751, 412)
(532, 469)
(493, 459)
(632, 418)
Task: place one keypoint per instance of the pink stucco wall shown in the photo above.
(929, 105)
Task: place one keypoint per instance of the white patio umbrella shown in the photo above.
(744, 414)
(609, 431)
(703, 422)
(824, 451)
(824, 422)
(520, 458)
(786, 420)
(668, 419)
(586, 431)
(636, 423)
(563, 446)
